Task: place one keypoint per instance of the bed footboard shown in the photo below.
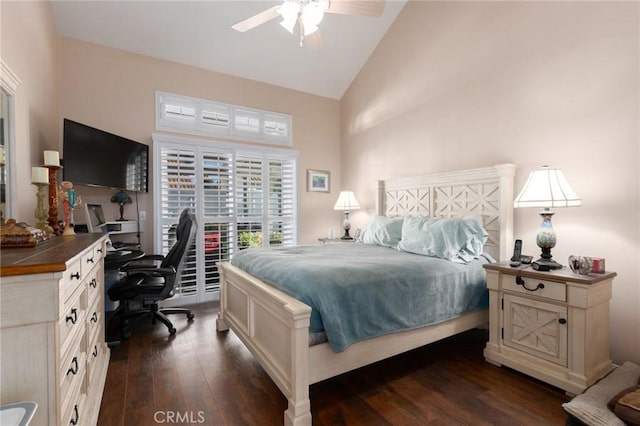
(275, 328)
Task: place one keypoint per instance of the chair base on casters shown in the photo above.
(153, 313)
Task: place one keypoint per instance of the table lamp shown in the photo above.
(346, 201)
(546, 188)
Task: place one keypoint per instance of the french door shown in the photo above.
(242, 197)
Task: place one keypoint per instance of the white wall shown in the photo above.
(29, 46)
(115, 91)
(456, 85)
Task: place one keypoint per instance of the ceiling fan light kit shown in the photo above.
(309, 13)
(289, 12)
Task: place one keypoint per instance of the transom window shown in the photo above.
(184, 114)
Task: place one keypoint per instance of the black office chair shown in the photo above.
(151, 283)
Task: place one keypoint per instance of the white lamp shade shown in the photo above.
(346, 201)
(547, 188)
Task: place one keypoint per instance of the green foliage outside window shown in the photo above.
(254, 239)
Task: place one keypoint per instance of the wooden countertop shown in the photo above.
(49, 256)
(563, 274)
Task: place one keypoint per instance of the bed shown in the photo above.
(275, 326)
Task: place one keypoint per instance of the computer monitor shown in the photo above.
(95, 218)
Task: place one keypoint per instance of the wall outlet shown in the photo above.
(142, 215)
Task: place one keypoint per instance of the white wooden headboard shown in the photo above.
(486, 191)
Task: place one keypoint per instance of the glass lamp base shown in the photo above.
(546, 265)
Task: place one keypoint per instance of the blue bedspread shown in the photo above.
(360, 291)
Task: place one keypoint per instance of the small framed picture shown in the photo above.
(317, 181)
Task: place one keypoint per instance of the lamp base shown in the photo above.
(545, 265)
(346, 225)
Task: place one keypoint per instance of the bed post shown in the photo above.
(220, 324)
(506, 173)
(380, 199)
(298, 412)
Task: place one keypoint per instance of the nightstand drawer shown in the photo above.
(545, 289)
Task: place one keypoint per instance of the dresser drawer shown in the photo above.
(71, 279)
(72, 374)
(100, 251)
(545, 289)
(94, 286)
(71, 323)
(74, 412)
(95, 357)
(89, 261)
(95, 318)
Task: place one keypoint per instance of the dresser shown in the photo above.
(553, 326)
(52, 328)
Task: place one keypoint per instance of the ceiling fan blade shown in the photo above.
(258, 19)
(314, 40)
(372, 8)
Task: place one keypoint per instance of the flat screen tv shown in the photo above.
(97, 158)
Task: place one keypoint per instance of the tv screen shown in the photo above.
(97, 158)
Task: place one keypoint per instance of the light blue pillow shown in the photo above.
(382, 231)
(454, 239)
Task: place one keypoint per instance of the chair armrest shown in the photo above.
(148, 270)
(150, 257)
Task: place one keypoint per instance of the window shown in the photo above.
(242, 196)
(183, 114)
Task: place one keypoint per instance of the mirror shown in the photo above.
(8, 85)
(4, 139)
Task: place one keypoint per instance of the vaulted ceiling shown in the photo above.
(199, 33)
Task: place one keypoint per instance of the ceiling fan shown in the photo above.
(308, 14)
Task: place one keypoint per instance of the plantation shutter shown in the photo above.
(178, 191)
(241, 199)
(218, 213)
(249, 201)
(184, 114)
(281, 202)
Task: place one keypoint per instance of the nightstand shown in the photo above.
(335, 240)
(553, 326)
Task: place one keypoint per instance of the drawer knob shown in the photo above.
(94, 317)
(73, 317)
(74, 367)
(90, 260)
(93, 283)
(99, 250)
(562, 321)
(76, 416)
(521, 282)
(76, 276)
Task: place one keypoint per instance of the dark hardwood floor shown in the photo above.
(199, 376)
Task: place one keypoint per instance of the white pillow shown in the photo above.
(382, 231)
(455, 239)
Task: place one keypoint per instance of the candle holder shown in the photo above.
(70, 199)
(41, 209)
(53, 199)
